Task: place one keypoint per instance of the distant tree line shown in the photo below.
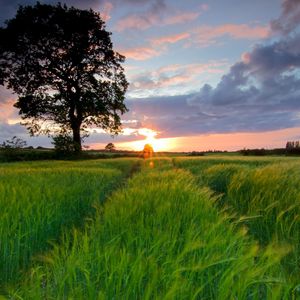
(292, 147)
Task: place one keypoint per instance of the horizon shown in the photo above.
(203, 74)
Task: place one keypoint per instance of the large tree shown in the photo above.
(61, 63)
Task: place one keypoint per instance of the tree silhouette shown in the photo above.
(110, 147)
(61, 63)
(14, 143)
(148, 151)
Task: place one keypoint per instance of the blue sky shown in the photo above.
(197, 70)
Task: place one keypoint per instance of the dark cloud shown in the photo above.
(289, 19)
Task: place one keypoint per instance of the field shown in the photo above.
(212, 227)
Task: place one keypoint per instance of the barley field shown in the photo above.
(212, 227)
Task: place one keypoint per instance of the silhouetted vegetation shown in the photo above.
(10, 150)
(110, 147)
(256, 152)
(147, 151)
(196, 153)
(63, 145)
(61, 63)
(293, 147)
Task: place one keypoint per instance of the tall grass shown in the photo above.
(160, 237)
(39, 200)
(272, 195)
(264, 198)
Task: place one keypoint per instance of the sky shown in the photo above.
(204, 75)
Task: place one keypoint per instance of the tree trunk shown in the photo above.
(76, 138)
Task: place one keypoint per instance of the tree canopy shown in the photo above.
(148, 151)
(61, 63)
(110, 147)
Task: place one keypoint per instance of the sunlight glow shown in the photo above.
(164, 144)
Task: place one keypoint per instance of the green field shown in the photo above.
(212, 227)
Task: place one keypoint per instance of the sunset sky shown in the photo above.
(211, 74)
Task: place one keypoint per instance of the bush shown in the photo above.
(10, 149)
(63, 145)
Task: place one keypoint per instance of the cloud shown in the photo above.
(259, 93)
(158, 14)
(140, 53)
(143, 20)
(289, 19)
(170, 39)
(182, 18)
(203, 36)
(155, 47)
(208, 35)
(172, 78)
(106, 11)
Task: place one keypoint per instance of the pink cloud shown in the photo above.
(164, 82)
(136, 22)
(106, 10)
(156, 48)
(8, 111)
(182, 18)
(152, 18)
(204, 7)
(207, 35)
(212, 67)
(170, 39)
(140, 53)
(174, 75)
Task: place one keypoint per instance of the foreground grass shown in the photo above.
(161, 237)
(264, 197)
(39, 200)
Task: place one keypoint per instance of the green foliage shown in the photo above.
(38, 201)
(63, 145)
(158, 238)
(272, 195)
(264, 195)
(219, 176)
(165, 235)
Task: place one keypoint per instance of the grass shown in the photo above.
(215, 227)
(160, 237)
(264, 197)
(39, 200)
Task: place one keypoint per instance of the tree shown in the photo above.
(63, 144)
(61, 63)
(14, 143)
(110, 147)
(148, 151)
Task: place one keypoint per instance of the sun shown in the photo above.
(157, 144)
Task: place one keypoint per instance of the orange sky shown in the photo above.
(229, 141)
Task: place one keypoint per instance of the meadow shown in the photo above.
(212, 227)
